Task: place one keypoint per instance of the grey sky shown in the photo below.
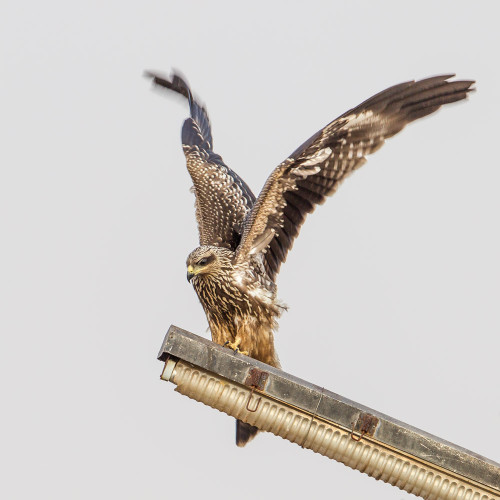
(393, 285)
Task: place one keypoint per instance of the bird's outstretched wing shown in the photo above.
(222, 198)
(316, 168)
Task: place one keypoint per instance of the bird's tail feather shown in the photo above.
(244, 433)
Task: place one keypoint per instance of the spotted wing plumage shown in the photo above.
(314, 171)
(223, 199)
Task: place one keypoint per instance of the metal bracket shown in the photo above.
(365, 425)
(256, 379)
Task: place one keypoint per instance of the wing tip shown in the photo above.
(176, 82)
(463, 85)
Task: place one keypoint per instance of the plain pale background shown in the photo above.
(393, 285)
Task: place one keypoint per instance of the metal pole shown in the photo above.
(325, 422)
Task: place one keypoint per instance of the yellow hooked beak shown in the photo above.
(190, 273)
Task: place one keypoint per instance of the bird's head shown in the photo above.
(206, 261)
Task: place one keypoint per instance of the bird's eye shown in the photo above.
(203, 262)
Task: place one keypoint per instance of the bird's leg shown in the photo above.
(235, 346)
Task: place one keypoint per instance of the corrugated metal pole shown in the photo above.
(324, 422)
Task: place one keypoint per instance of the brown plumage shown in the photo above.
(245, 240)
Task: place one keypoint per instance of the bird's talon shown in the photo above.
(237, 350)
(235, 346)
(231, 345)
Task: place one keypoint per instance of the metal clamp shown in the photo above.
(253, 410)
(354, 438)
(256, 379)
(365, 424)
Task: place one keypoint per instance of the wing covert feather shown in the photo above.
(223, 199)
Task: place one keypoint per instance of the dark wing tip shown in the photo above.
(437, 81)
(176, 83)
(429, 94)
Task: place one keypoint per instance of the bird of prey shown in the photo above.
(244, 239)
